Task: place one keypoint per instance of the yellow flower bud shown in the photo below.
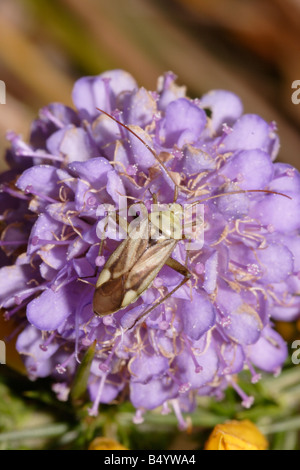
(236, 435)
(105, 443)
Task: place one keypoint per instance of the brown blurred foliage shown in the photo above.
(250, 47)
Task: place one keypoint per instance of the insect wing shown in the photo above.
(146, 269)
(109, 293)
(125, 255)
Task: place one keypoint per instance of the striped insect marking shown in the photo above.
(135, 263)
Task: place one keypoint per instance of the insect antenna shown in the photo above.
(147, 146)
(241, 191)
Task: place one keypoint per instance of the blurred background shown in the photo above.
(251, 47)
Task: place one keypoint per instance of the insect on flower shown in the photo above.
(136, 262)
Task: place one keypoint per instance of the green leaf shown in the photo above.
(79, 386)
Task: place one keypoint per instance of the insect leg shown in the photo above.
(172, 263)
(180, 268)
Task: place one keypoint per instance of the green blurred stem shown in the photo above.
(292, 424)
(47, 431)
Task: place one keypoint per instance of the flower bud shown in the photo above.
(105, 443)
(236, 435)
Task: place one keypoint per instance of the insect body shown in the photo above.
(133, 266)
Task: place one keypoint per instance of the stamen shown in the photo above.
(164, 325)
(62, 368)
(44, 346)
(277, 371)
(55, 287)
(181, 422)
(255, 377)
(9, 314)
(30, 190)
(182, 387)
(12, 243)
(273, 126)
(247, 401)
(94, 410)
(225, 322)
(138, 417)
(253, 269)
(165, 409)
(199, 268)
(105, 366)
(198, 368)
(62, 390)
(32, 154)
(108, 320)
(40, 241)
(13, 192)
(15, 332)
(46, 113)
(158, 282)
(87, 340)
(290, 172)
(131, 170)
(100, 261)
(226, 131)
(21, 296)
(92, 201)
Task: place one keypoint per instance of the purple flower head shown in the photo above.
(245, 275)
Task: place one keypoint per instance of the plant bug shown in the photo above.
(136, 262)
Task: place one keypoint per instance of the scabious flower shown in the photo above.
(246, 274)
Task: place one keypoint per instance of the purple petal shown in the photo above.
(168, 90)
(75, 144)
(187, 372)
(226, 108)
(115, 187)
(55, 257)
(233, 206)
(14, 279)
(101, 91)
(184, 122)
(139, 108)
(198, 316)
(278, 212)
(48, 311)
(196, 160)
(146, 367)
(249, 132)
(153, 394)
(43, 229)
(244, 323)
(277, 263)
(42, 178)
(211, 273)
(37, 361)
(269, 352)
(252, 169)
(93, 170)
(111, 388)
